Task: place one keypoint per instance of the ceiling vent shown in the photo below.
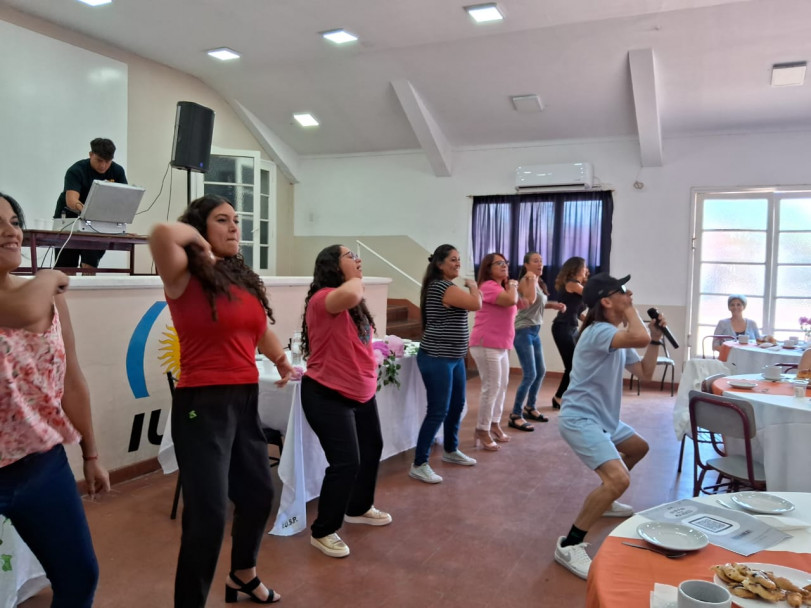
(560, 176)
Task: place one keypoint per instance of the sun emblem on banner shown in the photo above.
(170, 352)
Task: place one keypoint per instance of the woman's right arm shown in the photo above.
(167, 242)
(457, 298)
(347, 296)
(32, 300)
(573, 287)
(719, 330)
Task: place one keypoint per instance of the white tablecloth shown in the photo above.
(21, 575)
(752, 359)
(783, 441)
(303, 463)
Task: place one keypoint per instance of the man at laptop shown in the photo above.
(78, 180)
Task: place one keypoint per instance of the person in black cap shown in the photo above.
(590, 413)
(78, 179)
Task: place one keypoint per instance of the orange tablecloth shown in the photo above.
(763, 386)
(723, 352)
(623, 577)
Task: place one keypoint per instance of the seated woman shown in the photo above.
(736, 325)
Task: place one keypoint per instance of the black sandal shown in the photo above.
(524, 426)
(247, 589)
(529, 413)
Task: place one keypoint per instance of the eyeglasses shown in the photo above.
(351, 255)
(499, 263)
(620, 289)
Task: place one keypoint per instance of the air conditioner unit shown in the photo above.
(560, 176)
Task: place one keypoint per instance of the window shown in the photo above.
(557, 225)
(756, 243)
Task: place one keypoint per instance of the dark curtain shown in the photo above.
(558, 225)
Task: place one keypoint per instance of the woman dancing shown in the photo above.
(569, 284)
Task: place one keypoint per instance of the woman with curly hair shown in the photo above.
(569, 285)
(338, 396)
(221, 313)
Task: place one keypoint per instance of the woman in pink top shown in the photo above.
(492, 338)
(338, 397)
(44, 403)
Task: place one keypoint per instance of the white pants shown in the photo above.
(494, 370)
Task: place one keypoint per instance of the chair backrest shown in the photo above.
(663, 344)
(706, 383)
(712, 337)
(728, 416)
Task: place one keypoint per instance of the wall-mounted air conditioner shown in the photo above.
(559, 176)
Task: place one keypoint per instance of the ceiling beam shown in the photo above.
(430, 135)
(648, 124)
(286, 159)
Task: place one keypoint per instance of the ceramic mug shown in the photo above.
(743, 339)
(702, 594)
(772, 372)
(793, 340)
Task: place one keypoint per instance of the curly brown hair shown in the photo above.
(217, 279)
(568, 272)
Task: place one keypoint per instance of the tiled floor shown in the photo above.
(483, 537)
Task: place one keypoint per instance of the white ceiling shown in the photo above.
(712, 64)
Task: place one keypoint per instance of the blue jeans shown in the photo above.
(527, 344)
(444, 380)
(38, 494)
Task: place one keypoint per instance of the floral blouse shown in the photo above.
(32, 380)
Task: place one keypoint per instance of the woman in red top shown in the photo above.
(338, 396)
(221, 314)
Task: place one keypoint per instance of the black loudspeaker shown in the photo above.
(194, 127)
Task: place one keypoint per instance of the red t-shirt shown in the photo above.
(222, 351)
(339, 358)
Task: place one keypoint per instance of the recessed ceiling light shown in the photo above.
(788, 74)
(339, 36)
(483, 13)
(527, 103)
(95, 2)
(305, 119)
(223, 54)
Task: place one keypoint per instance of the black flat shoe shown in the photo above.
(555, 404)
(247, 589)
(520, 424)
(530, 413)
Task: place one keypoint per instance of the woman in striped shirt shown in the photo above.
(441, 358)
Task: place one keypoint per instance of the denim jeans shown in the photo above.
(444, 380)
(527, 344)
(38, 494)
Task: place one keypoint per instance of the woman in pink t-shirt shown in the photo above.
(492, 338)
(338, 397)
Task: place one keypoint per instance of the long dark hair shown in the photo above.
(15, 207)
(595, 314)
(568, 272)
(433, 273)
(485, 274)
(523, 271)
(327, 273)
(217, 279)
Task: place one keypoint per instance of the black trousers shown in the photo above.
(349, 432)
(70, 257)
(564, 340)
(222, 454)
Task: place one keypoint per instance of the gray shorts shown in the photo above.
(593, 444)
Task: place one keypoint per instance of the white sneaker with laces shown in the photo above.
(372, 517)
(574, 558)
(619, 510)
(331, 545)
(457, 457)
(425, 473)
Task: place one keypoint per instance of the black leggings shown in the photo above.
(564, 340)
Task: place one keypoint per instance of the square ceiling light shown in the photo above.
(482, 13)
(788, 74)
(527, 103)
(305, 119)
(95, 2)
(223, 54)
(339, 36)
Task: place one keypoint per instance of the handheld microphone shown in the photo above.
(654, 314)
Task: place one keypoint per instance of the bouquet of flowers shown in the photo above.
(805, 327)
(386, 353)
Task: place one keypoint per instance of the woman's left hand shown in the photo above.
(96, 477)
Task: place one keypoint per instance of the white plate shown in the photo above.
(675, 537)
(798, 577)
(761, 502)
(742, 383)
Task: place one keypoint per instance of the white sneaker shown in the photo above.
(331, 545)
(574, 558)
(619, 510)
(425, 473)
(372, 517)
(457, 457)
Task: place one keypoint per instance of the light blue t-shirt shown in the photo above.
(595, 386)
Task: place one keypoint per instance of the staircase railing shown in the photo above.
(387, 262)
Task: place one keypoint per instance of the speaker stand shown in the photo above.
(188, 187)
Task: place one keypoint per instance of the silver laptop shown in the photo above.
(108, 209)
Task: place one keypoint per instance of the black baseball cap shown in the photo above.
(602, 285)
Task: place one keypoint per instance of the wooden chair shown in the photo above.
(731, 417)
(667, 362)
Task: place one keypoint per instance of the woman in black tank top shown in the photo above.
(569, 284)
